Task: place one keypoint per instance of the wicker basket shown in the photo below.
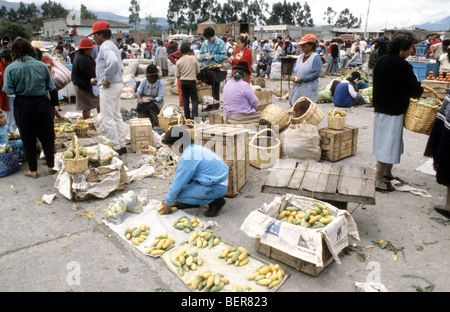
(276, 116)
(312, 116)
(336, 123)
(10, 163)
(182, 121)
(265, 155)
(75, 165)
(164, 120)
(420, 116)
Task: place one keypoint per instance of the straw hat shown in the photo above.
(39, 45)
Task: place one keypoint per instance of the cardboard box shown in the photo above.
(141, 134)
(231, 144)
(307, 250)
(338, 144)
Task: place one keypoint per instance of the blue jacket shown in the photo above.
(200, 164)
(218, 51)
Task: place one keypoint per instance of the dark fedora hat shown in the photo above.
(242, 65)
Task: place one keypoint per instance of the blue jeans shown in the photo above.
(195, 193)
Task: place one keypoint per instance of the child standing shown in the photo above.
(186, 69)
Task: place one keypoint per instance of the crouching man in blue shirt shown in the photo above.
(201, 177)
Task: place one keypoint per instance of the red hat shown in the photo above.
(99, 26)
(308, 38)
(86, 43)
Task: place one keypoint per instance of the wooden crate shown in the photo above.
(141, 134)
(216, 117)
(438, 86)
(338, 144)
(265, 98)
(231, 144)
(297, 263)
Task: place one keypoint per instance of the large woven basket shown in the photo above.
(78, 164)
(276, 116)
(420, 116)
(309, 112)
(180, 120)
(266, 154)
(164, 120)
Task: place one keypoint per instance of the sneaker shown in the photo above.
(215, 207)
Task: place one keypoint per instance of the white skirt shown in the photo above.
(388, 138)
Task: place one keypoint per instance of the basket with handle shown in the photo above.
(275, 115)
(81, 131)
(420, 116)
(78, 164)
(164, 120)
(182, 121)
(264, 155)
(336, 122)
(305, 110)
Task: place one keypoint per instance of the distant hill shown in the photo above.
(100, 14)
(436, 26)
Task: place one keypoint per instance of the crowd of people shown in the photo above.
(29, 97)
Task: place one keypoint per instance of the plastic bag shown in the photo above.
(132, 202)
(61, 76)
(302, 142)
(98, 124)
(115, 212)
(105, 154)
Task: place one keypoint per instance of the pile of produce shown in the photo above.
(269, 275)
(208, 282)
(6, 149)
(237, 256)
(206, 238)
(315, 217)
(71, 152)
(161, 244)
(64, 128)
(187, 225)
(337, 113)
(186, 261)
(137, 234)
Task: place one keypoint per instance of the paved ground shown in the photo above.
(41, 246)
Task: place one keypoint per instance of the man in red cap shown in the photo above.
(109, 80)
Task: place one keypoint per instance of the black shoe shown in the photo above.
(185, 206)
(215, 207)
(121, 151)
(444, 212)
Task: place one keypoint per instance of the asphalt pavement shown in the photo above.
(60, 248)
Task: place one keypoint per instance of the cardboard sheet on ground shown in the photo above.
(237, 275)
(159, 224)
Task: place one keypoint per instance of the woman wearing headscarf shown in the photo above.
(306, 71)
(29, 79)
(391, 104)
(239, 100)
(83, 78)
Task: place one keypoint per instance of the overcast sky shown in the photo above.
(383, 13)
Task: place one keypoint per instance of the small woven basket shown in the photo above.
(336, 123)
(77, 164)
(9, 163)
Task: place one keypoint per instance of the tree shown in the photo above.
(53, 10)
(14, 30)
(347, 20)
(134, 18)
(329, 16)
(175, 13)
(86, 14)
